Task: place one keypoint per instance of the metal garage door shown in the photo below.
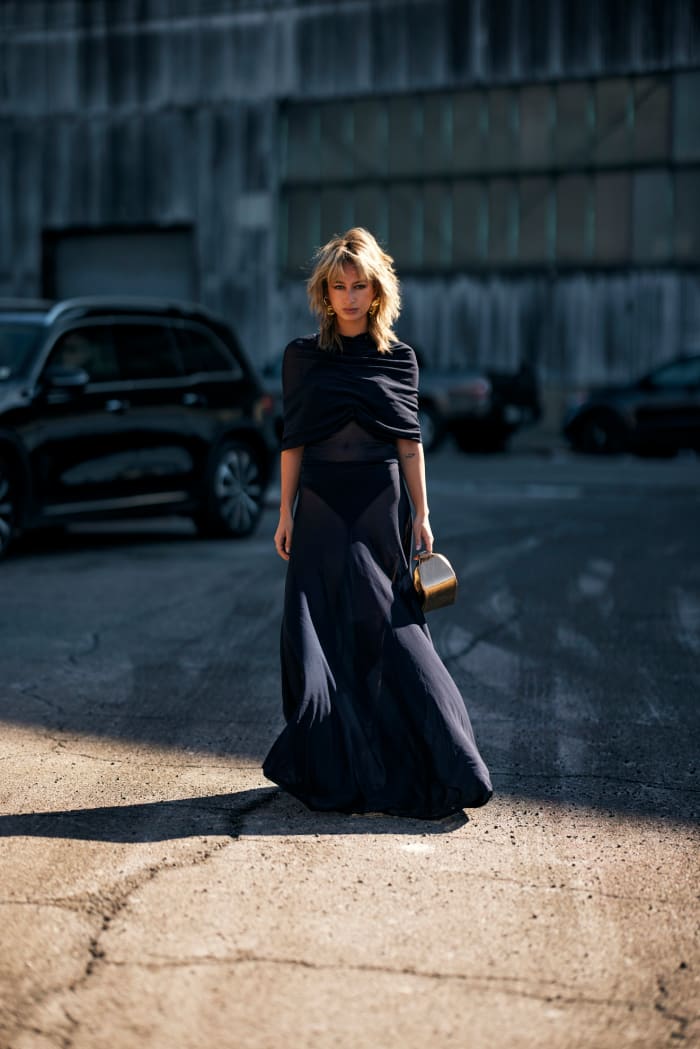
(108, 262)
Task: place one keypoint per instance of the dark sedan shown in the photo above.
(655, 415)
(481, 409)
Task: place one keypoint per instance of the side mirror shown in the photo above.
(69, 380)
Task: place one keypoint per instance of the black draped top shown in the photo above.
(324, 390)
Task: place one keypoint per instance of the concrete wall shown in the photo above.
(164, 112)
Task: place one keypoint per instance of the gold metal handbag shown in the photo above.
(435, 581)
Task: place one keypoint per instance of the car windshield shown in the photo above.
(680, 373)
(18, 339)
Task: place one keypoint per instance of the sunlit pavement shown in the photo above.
(157, 891)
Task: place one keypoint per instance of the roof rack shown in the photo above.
(129, 303)
(26, 305)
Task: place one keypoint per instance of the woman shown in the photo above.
(375, 723)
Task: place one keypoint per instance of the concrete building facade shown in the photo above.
(532, 165)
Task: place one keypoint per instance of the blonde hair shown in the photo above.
(357, 247)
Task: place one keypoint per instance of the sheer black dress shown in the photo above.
(374, 721)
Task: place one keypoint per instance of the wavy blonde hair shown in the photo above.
(357, 247)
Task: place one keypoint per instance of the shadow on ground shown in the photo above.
(262, 811)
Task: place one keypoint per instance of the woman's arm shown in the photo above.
(290, 468)
(412, 463)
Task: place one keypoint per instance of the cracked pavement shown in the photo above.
(157, 891)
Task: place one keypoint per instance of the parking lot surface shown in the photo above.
(157, 891)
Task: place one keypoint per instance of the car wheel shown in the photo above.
(432, 430)
(235, 492)
(9, 507)
(600, 435)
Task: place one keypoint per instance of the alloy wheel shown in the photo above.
(602, 436)
(238, 490)
(8, 508)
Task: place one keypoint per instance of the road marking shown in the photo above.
(505, 490)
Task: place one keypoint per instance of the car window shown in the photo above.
(146, 351)
(677, 375)
(90, 348)
(202, 352)
(18, 340)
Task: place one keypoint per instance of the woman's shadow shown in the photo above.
(262, 811)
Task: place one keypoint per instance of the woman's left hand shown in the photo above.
(422, 534)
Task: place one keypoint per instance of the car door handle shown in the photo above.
(116, 406)
(192, 400)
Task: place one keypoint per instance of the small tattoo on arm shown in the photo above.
(410, 455)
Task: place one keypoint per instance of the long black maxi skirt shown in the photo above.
(374, 721)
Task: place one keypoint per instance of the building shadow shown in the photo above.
(261, 811)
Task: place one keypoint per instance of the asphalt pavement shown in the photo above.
(157, 891)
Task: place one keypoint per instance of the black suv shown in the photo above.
(115, 408)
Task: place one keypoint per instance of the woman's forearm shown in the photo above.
(290, 469)
(412, 463)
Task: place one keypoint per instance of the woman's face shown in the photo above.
(351, 297)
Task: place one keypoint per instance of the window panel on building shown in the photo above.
(336, 133)
(302, 134)
(468, 123)
(686, 124)
(653, 215)
(369, 146)
(469, 222)
(502, 138)
(652, 106)
(573, 218)
(405, 117)
(613, 123)
(370, 211)
(503, 220)
(573, 130)
(437, 225)
(370, 137)
(534, 222)
(336, 212)
(613, 202)
(437, 133)
(535, 127)
(405, 225)
(302, 227)
(687, 215)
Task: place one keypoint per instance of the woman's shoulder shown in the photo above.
(305, 342)
(396, 345)
(401, 351)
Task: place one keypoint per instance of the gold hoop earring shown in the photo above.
(329, 309)
(373, 308)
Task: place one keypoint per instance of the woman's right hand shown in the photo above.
(283, 535)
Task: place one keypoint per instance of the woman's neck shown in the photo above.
(350, 330)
